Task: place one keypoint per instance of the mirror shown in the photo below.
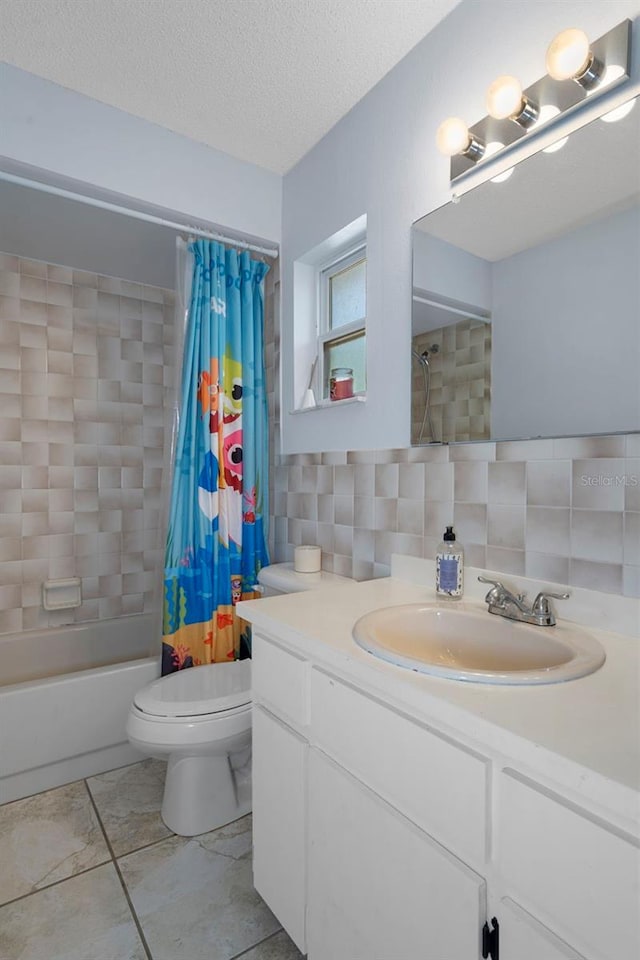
(526, 297)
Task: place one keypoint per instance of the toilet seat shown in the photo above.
(215, 688)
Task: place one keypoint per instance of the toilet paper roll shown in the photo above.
(307, 560)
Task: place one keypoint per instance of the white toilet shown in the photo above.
(200, 721)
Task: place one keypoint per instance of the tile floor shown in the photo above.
(90, 872)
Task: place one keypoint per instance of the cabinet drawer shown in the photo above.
(280, 679)
(439, 785)
(580, 876)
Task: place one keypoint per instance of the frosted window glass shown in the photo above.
(347, 295)
(349, 352)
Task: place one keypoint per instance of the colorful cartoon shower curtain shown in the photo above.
(217, 537)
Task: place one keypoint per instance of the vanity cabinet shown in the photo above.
(570, 867)
(379, 887)
(378, 836)
(279, 783)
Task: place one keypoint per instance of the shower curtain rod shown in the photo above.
(189, 228)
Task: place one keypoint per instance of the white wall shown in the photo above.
(381, 160)
(39, 226)
(65, 133)
(448, 271)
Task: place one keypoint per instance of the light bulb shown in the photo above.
(504, 98)
(568, 54)
(453, 137)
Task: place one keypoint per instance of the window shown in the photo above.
(342, 318)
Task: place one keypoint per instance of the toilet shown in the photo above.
(199, 720)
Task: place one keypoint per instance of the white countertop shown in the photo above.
(583, 735)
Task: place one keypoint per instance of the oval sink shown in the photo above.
(463, 644)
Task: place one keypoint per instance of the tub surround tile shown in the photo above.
(84, 918)
(195, 897)
(128, 801)
(77, 379)
(47, 838)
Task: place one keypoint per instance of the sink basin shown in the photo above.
(463, 644)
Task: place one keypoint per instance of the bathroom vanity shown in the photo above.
(399, 815)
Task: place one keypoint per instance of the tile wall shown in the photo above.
(86, 375)
(564, 510)
(460, 383)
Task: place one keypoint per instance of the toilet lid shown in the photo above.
(207, 689)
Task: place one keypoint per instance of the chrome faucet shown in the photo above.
(504, 603)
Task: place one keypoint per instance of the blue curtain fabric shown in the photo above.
(217, 536)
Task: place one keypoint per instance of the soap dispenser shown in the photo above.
(450, 567)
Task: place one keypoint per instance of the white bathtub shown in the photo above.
(58, 726)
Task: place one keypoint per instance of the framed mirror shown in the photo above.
(526, 296)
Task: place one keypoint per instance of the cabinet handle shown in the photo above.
(491, 940)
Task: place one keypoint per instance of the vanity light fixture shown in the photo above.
(453, 138)
(506, 101)
(570, 57)
(578, 71)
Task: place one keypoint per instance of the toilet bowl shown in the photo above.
(199, 720)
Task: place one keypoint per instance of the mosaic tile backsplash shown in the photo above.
(86, 386)
(564, 510)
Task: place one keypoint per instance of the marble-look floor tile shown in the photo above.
(83, 918)
(195, 898)
(128, 801)
(46, 838)
(278, 947)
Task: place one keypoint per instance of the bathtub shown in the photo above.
(57, 726)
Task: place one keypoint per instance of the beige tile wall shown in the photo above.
(460, 383)
(563, 510)
(86, 370)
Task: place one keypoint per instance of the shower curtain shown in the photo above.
(217, 536)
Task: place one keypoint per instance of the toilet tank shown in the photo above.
(279, 578)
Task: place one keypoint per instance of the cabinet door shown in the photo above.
(279, 774)
(522, 937)
(380, 888)
(576, 872)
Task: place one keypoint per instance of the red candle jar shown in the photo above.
(341, 383)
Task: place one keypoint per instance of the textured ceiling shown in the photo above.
(263, 80)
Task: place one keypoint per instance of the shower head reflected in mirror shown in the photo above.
(423, 360)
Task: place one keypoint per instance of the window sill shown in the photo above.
(325, 404)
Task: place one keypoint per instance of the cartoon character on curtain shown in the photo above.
(216, 541)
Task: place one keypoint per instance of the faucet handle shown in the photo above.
(498, 592)
(542, 608)
(496, 583)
